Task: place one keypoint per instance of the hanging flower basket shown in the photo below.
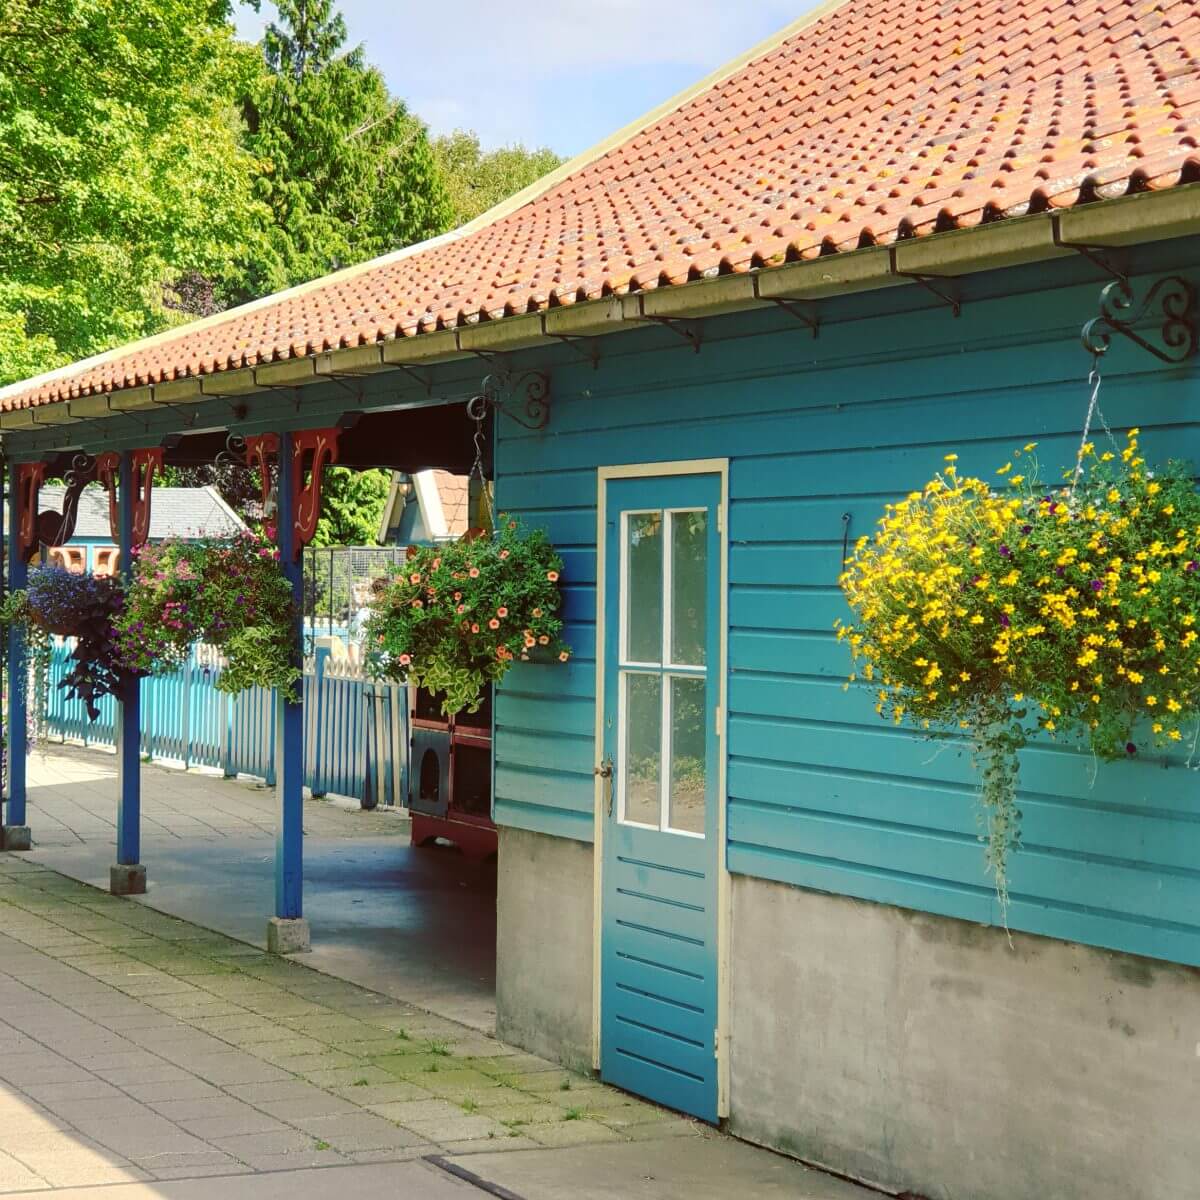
(228, 592)
(59, 602)
(460, 614)
(1074, 610)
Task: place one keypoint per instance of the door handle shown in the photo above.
(605, 772)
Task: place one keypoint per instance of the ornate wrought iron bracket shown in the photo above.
(29, 479)
(1166, 312)
(56, 529)
(803, 310)
(524, 397)
(234, 452)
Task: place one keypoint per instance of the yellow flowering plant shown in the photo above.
(999, 610)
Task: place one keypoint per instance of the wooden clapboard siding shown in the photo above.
(822, 793)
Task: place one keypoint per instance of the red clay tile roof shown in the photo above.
(879, 121)
(453, 491)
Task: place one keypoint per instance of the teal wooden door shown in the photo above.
(659, 884)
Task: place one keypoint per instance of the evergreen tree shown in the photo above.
(346, 170)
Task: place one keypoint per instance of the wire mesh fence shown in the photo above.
(337, 587)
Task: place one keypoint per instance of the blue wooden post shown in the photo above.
(14, 834)
(128, 877)
(287, 931)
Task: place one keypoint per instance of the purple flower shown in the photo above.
(1005, 552)
(1097, 586)
(1004, 621)
(1130, 748)
(1026, 528)
(1191, 566)
(1058, 571)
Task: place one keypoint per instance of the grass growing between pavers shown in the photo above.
(285, 1066)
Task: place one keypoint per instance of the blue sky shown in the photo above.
(560, 73)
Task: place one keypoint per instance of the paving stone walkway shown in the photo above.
(143, 1057)
(136, 1046)
(73, 790)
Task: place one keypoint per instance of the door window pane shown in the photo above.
(689, 754)
(644, 587)
(642, 773)
(689, 587)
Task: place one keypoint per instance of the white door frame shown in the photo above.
(698, 466)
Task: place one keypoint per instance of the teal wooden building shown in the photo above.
(710, 352)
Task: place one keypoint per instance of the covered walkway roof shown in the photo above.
(857, 129)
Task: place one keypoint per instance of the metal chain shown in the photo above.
(477, 408)
(1094, 382)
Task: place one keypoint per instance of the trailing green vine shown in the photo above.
(228, 592)
(1069, 611)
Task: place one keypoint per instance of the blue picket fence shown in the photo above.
(356, 730)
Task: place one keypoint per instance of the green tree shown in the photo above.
(347, 171)
(352, 504)
(476, 180)
(121, 168)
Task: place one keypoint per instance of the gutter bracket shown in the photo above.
(425, 383)
(587, 347)
(353, 389)
(795, 307)
(1098, 256)
(928, 282)
(690, 331)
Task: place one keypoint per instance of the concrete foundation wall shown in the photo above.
(544, 946)
(923, 1053)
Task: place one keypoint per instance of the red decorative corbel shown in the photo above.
(312, 451)
(108, 468)
(30, 477)
(260, 449)
(144, 464)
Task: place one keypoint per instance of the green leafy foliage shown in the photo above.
(83, 607)
(1071, 610)
(477, 180)
(346, 171)
(459, 614)
(352, 504)
(228, 592)
(121, 168)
